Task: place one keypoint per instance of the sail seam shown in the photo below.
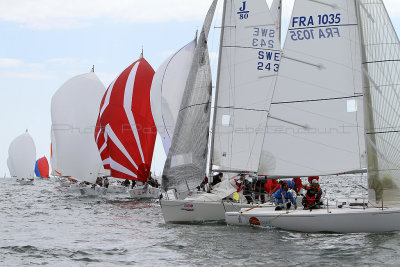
(247, 109)
(382, 61)
(384, 132)
(316, 100)
(255, 48)
(323, 26)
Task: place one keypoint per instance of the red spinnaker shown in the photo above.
(125, 131)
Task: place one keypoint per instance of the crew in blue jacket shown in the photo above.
(282, 197)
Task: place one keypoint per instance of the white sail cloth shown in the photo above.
(167, 90)
(22, 157)
(249, 61)
(315, 125)
(74, 110)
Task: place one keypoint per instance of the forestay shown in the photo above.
(186, 161)
(249, 62)
(74, 109)
(316, 124)
(22, 156)
(167, 90)
(382, 71)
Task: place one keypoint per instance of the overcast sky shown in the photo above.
(45, 42)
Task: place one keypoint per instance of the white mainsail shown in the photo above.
(381, 63)
(74, 110)
(22, 156)
(315, 125)
(167, 90)
(249, 61)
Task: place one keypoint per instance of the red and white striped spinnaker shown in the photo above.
(125, 130)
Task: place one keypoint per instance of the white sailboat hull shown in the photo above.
(190, 211)
(339, 220)
(96, 191)
(144, 192)
(116, 189)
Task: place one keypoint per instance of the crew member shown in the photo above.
(282, 197)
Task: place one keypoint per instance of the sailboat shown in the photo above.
(21, 159)
(42, 168)
(74, 109)
(336, 100)
(248, 63)
(125, 131)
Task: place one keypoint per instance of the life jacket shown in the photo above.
(310, 199)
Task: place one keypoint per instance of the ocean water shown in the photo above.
(44, 225)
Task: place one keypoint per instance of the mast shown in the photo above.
(216, 90)
(279, 24)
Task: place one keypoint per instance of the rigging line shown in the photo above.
(323, 26)
(199, 104)
(381, 61)
(248, 47)
(316, 100)
(247, 109)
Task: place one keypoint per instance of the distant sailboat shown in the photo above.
(42, 168)
(21, 158)
(125, 130)
(74, 109)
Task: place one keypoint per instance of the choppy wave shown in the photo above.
(45, 225)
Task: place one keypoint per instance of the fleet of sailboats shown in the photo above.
(325, 104)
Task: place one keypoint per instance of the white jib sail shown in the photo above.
(316, 115)
(167, 90)
(74, 110)
(22, 156)
(249, 61)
